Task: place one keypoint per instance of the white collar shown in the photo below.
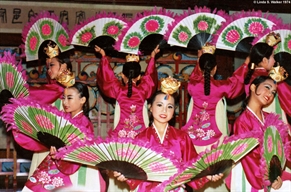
(262, 122)
(163, 136)
(78, 114)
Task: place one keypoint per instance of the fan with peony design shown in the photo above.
(134, 159)
(12, 79)
(237, 33)
(217, 160)
(148, 24)
(43, 123)
(194, 28)
(43, 27)
(274, 149)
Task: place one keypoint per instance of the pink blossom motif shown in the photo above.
(133, 108)
(133, 41)
(289, 44)
(152, 25)
(239, 149)
(158, 167)
(269, 143)
(126, 153)
(256, 28)
(88, 156)
(202, 25)
(43, 177)
(57, 182)
(86, 37)
(200, 133)
(113, 30)
(63, 40)
(131, 134)
(26, 127)
(210, 133)
(280, 152)
(205, 105)
(122, 133)
(72, 137)
(183, 37)
(44, 122)
(33, 42)
(9, 79)
(213, 157)
(232, 36)
(46, 29)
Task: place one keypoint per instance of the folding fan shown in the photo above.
(237, 33)
(43, 123)
(143, 25)
(285, 34)
(138, 160)
(102, 24)
(44, 26)
(12, 76)
(193, 29)
(274, 148)
(215, 161)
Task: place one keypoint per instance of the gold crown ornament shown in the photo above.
(278, 73)
(169, 85)
(51, 50)
(273, 39)
(208, 48)
(66, 78)
(132, 58)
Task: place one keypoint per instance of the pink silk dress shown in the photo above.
(178, 143)
(131, 120)
(201, 126)
(245, 123)
(52, 174)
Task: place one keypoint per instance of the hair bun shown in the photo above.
(169, 85)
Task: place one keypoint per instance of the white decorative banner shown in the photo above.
(15, 14)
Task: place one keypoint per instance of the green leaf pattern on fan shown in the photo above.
(231, 36)
(205, 24)
(287, 43)
(255, 26)
(62, 37)
(182, 34)
(32, 120)
(273, 145)
(46, 27)
(112, 29)
(132, 40)
(87, 35)
(152, 24)
(12, 80)
(33, 42)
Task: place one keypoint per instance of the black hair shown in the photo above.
(257, 81)
(84, 92)
(64, 58)
(207, 62)
(257, 53)
(176, 97)
(131, 70)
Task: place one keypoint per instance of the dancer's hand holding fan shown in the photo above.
(43, 123)
(133, 159)
(217, 160)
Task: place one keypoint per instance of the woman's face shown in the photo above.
(54, 67)
(72, 103)
(163, 109)
(265, 92)
(269, 63)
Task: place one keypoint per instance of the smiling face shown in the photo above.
(162, 109)
(265, 92)
(72, 102)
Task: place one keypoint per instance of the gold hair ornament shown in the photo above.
(278, 73)
(169, 86)
(66, 78)
(208, 48)
(51, 50)
(273, 39)
(132, 58)
(253, 66)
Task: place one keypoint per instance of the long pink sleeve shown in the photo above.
(284, 95)
(28, 143)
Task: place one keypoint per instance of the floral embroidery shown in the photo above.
(200, 128)
(131, 125)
